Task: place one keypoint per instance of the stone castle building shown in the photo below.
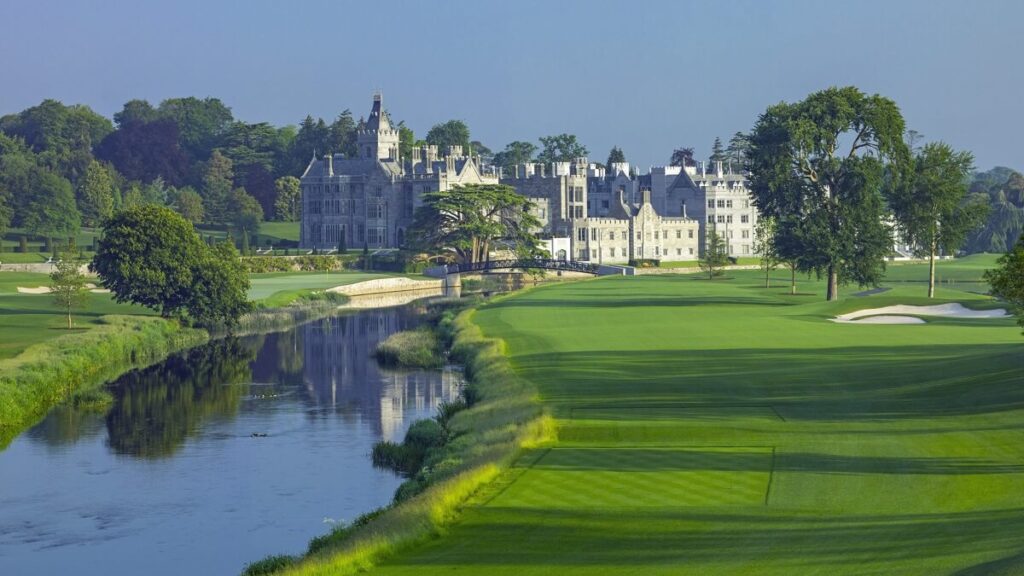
(369, 200)
(608, 215)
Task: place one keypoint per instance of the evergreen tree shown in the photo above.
(218, 177)
(716, 253)
(96, 194)
(614, 156)
(717, 151)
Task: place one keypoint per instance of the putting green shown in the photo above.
(719, 427)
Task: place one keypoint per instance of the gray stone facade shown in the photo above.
(634, 232)
(720, 201)
(369, 201)
(558, 190)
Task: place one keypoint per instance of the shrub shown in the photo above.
(645, 263)
(416, 348)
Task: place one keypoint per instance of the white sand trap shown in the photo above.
(885, 320)
(36, 290)
(893, 314)
(100, 291)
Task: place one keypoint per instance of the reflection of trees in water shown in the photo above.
(67, 425)
(342, 375)
(156, 409)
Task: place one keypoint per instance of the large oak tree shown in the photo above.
(818, 168)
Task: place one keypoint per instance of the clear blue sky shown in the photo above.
(647, 76)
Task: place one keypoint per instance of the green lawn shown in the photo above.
(277, 231)
(27, 319)
(967, 269)
(718, 427)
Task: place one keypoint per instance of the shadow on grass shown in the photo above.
(855, 383)
(668, 540)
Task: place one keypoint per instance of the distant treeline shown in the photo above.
(63, 167)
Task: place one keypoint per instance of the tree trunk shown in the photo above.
(931, 271)
(69, 318)
(767, 277)
(833, 283)
(792, 279)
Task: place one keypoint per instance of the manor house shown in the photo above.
(368, 201)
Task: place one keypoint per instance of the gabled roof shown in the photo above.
(683, 180)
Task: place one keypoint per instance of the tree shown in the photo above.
(716, 253)
(764, 247)
(148, 255)
(189, 204)
(515, 154)
(96, 194)
(342, 135)
(245, 213)
(62, 136)
(287, 199)
(739, 146)
(450, 133)
(682, 157)
(67, 283)
(49, 207)
(1007, 280)
(717, 151)
(145, 150)
(486, 154)
(218, 178)
(470, 220)
(560, 148)
(202, 124)
(930, 207)
(615, 156)
(406, 140)
(817, 167)
(224, 280)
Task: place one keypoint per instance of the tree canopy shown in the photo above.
(615, 156)
(515, 153)
(467, 222)
(930, 207)
(151, 256)
(1007, 280)
(450, 133)
(817, 168)
(560, 148)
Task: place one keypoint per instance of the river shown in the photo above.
(216, 457)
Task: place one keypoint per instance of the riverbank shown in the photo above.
(505, 417)
(723, 427)
(61, 364)
(53, 371)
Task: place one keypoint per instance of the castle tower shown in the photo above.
(377, 139)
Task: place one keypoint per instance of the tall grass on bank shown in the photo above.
(505, 418)
(302, 308)
(419, 348)
(52, 371)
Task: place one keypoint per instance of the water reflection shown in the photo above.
(156, 409)
(215, 457)
(335, 381)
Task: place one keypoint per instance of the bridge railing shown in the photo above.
(561, 265)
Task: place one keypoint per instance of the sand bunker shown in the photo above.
(46, 289)
(893, 314)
